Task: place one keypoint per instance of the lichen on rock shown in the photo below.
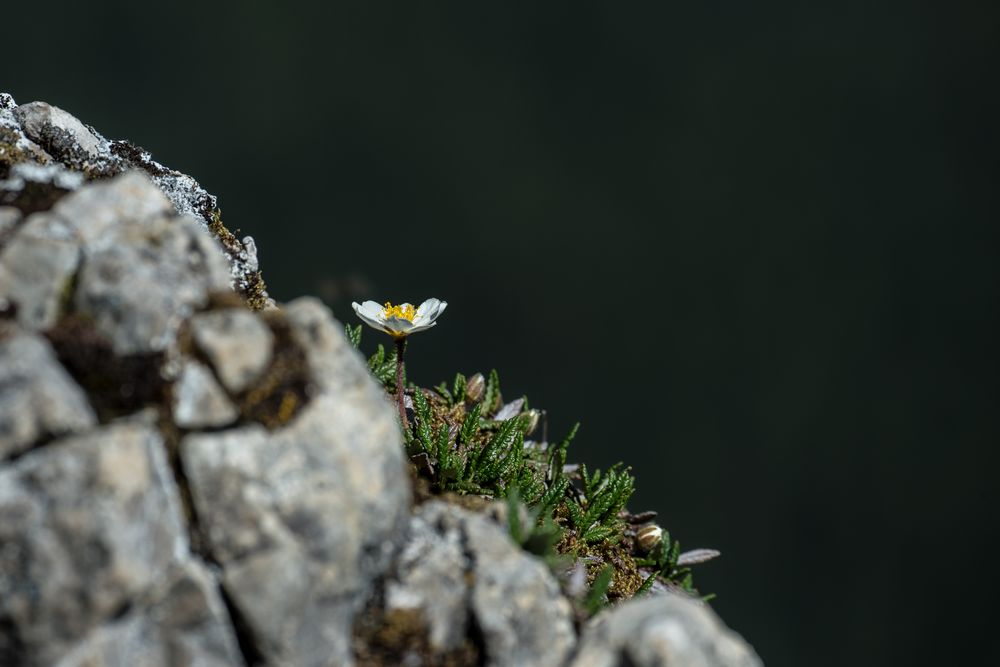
(45, 153)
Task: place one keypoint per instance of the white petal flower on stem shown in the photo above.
(402, 320)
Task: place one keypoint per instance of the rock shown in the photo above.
(186, 624)
(90, 213)
(199, 401)
(432, 574)
(461, 569)
(9, 217)
(90, 524)
(141, 280)
(15, 146)
(336, 366)
(662, 631)
(237, 342)
(77, 151)
(36, 273)
(38, 399)
(60, 133)
(32, 187)
(304, 518)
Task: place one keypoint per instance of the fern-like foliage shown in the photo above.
(530, 528)
(595, 515)
(353, 335)
(664, 563)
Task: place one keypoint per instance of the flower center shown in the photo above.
(403, 311)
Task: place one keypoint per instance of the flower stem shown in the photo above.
(400, 346)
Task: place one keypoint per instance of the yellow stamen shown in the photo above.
(404, 311)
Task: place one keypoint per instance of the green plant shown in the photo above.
(463, 439)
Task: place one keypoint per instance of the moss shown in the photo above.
(10, 154)
(283, 390)
(33, 196)
(625, 579)
(115, 385)
(255, 290)
(401, 636)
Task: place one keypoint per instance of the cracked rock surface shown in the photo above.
(662, 630)
(191, 475)
(460, 570)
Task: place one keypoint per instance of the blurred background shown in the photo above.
(752, 247)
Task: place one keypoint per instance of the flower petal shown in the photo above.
(367, 317)
(429, 311)
(421, 327)
(372, 309)
(397, 325)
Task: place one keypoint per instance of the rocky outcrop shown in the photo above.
(189, 479)
(45, 152)
(662, 630)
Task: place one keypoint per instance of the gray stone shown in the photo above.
(36, 271)
(33, 186)
(335, 365)
(16, 145)
(237, 342)
(303, 519)
(662, 631)
(88, 214)
(199, 401)
(140, 281)
(185, 625)
(76, 146)
(432, 573)
(38, 398)
(458, 567)
(88, 525)
(8, 219)
(59, 132)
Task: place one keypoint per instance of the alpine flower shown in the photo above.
(402, 320)
(399, 322)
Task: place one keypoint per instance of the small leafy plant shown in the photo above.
(463, 440)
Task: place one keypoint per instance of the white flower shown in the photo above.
(402, 320)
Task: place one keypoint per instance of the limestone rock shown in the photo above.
(36, 272)
(60, 133)
(38, 399)
(89, 213)
(33, 179)
(432, 574)
(461, 568)
(336, 365)
(185, 624)
(302, 519)
(662, 631)
(237, 342)
(199, 401)
(34, 187)
(90, 524)
(9, 217)
(140, 281)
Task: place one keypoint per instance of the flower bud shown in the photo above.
(532, 420)
(649, 536)
(475, 387)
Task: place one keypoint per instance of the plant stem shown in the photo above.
(400, 346)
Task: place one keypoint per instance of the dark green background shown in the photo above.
(751, 246)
